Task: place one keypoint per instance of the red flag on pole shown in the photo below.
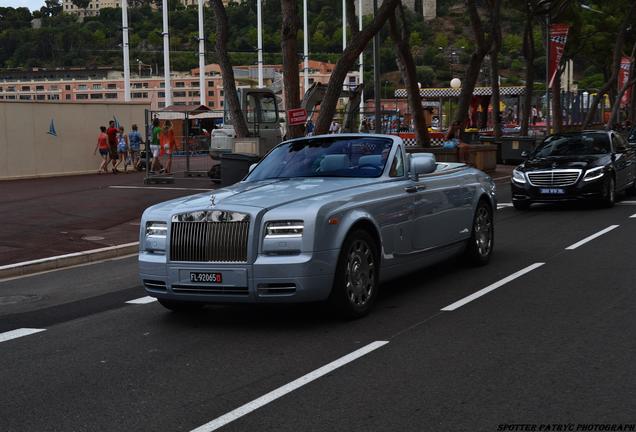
(623, 78)
(558, 38)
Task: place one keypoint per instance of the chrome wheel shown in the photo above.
(360, 273)
(483, 231)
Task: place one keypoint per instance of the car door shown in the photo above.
(623, 162)
(442, 210)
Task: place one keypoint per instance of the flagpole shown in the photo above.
(259, 20)
(124, 26)
(202, 87)
(305, 49)
(361, 80)
(166, 55)
(344, 24)
(547, 73)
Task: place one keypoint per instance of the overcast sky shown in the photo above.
(31, 4)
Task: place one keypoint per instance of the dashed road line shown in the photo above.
(492, 287)
(142, 300)
(501, 206)
(17, 333)
(592, 237)
(633, 216)
(288, 388)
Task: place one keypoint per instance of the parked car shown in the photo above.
(322, 218)
(585, 165)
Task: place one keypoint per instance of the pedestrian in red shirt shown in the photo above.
(102, 146)
(112, 144)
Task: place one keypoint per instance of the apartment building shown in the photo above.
(108, 85)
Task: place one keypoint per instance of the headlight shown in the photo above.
(594, 173)
(518, 176)
(284, 229)
(156, 233)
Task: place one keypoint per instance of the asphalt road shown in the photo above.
(554, 345)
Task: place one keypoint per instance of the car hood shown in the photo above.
(262, 194)
(564, 162)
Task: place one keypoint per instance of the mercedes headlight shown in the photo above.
(156, 233)
(284, 229)
(594, 173)
(518, 176)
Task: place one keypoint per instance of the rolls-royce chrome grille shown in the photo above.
(209, 236)
(554, 178)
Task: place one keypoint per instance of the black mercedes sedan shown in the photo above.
(588, 165)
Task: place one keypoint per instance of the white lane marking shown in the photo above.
(633, 216)
(592, 237)
(159, 188)
(142, 300)
(626, 203)
(501, 178)
(492, 287)
(287, 388)
(14, 334)
(68, 267)
(503, 205)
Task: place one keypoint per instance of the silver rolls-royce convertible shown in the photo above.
(322, 218)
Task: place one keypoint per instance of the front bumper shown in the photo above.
(579, 191)
(270, 279)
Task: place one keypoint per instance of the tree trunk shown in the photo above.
(617, 102)
(495, 26)
(616, 64)
(406, 64)
(227, 73)
(289, 45)
(472, 72)
(348, 58)
(529, 54)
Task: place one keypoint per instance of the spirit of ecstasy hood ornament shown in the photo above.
(212, 200)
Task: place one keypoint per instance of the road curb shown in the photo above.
(62, 261)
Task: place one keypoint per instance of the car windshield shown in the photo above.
(593, 143)
(325, 157)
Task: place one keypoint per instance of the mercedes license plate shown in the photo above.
(208, 277)
(552, 191)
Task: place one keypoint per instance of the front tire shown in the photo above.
(610, 193)
(482, 238)
(356, 281)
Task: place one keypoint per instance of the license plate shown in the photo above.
(552, 191)
(206, 277)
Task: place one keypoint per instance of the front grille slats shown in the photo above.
(555, 178)
(208, 241)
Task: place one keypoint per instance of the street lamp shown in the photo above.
(455, 84)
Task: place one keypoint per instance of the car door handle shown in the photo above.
(413, 189)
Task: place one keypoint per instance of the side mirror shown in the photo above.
(251, 168)
(422, 164)
(525, 154)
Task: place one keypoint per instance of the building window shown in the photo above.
(39, 97)
(67, 87)
(81, 96)
(0, 89)
(211, 104)
(221, 93)
(25, 97)
(97, 96)
(53, 97)
(140, 95)
(211, 93)
(210, 83)
(194, 84)
(39, 88)
(82, 87)
(179, 84)
(221, 103)
(11, 89)
(162, 84)
(193, 94)
(97, 86)
(179, 94)
(26, 88)
(12, 97)
(54, 87)
(68, 97)
(111, 95)
(112, 86)
(180, 103)
(162, 94)
(136, 85)
(161, 104)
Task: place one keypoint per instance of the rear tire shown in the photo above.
(180, 306)
(482, 238)
(356, 281)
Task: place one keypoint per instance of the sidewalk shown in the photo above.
(56, 216)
